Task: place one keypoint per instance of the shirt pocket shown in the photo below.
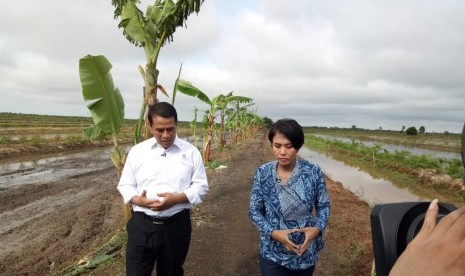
(183, 173)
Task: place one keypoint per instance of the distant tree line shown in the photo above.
(407, 131)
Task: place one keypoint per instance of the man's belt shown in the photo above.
(165, 220)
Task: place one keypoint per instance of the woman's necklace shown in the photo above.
(284, 174)
(283, 177)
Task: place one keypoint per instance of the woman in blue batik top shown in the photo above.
(289, 205)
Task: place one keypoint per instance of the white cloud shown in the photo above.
(329, 63)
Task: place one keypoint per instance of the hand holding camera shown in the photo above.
(413, 238)
(438, 249)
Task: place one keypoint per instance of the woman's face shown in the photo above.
(283, 150)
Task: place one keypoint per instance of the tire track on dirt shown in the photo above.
(229, 237)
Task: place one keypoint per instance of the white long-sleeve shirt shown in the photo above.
(178, 169)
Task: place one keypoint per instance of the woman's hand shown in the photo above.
(436, 249)
(310, 235)
(282, 236)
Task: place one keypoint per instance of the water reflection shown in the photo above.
(373, 191)
(393, 148)
(53, 167)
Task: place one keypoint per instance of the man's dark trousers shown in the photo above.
(164, 242)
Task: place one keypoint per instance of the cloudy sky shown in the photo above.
(327, 63)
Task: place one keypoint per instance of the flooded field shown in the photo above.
(43, 169)
(394, 148)
(361, 183)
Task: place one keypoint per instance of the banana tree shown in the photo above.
(251, 123)
(223, 108)
(236, 120)
(193, 126)
(106, 106)
(152, 31)
(218, 103)
(187, 88)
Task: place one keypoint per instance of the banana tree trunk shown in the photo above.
(209, 137)
(222, 135)
(207, 148)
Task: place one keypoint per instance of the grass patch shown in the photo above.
(213, 164)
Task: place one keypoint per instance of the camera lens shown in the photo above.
(416, 225)
(412, 222)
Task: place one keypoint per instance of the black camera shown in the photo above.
(393, 226)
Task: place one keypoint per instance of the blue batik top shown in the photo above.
(277, 207)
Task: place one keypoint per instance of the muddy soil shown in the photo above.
(46, 225)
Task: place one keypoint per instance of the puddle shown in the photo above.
(367, 188)
(53, 167)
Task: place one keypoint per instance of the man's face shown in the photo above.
(164, 130)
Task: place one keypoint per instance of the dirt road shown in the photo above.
(47, 224)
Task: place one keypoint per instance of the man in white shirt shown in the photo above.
(163, 177)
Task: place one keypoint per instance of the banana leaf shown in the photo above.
(106, 103)
(187, 88)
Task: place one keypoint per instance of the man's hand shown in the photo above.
(167, 200)
(142, 200)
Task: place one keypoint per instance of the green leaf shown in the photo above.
(94, 132)
(107, 105)
(187, 88)
(157, 26)
(239, 99)
(132, 20)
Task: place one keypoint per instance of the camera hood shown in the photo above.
(394, 225)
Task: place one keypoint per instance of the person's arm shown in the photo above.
(323, 209)
(257, 207)
(438, 249)
(198, 188)
(127, 185)
(322, 204)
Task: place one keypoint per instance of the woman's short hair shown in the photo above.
(162, 109)
(290, 129)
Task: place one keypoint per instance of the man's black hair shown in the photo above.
(290, 129)
(162, 109)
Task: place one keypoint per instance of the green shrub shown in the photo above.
(411, 131)
(73, 138)
(5, 140)
(36, 140)
(455, 168)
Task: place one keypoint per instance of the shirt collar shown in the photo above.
(177, 142)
